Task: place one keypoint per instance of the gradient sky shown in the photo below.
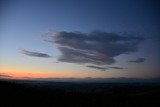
(79, 38)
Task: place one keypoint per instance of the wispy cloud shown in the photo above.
(97, 67)
(98, 48)
(138, 60)
(5, 76)
(34, 54)
(117, 67)
(104, 68)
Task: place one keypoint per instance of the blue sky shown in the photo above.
(24, 24)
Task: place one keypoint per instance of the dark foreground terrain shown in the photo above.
(16, 93)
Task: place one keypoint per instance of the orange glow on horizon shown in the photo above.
(29, 74)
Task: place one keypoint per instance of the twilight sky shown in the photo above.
(79, 38)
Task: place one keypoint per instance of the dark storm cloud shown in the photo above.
(138, 60)
(97, 67)
(99, 48)
(35, 54)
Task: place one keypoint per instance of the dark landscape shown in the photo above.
(19, 93)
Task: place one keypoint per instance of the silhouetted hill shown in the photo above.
(18, 93)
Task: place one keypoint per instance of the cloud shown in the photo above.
(98, 48)
(97, 67)
(34, 54)
(5, 76)
(117, 67)
(138, 60)
(104, 68)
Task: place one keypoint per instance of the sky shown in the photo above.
(79, 38)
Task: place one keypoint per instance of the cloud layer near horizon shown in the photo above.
(5, 76)
(98, 48)
(34, 54)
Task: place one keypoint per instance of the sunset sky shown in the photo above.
(79, 38)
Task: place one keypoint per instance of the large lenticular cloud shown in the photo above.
(99, 48)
